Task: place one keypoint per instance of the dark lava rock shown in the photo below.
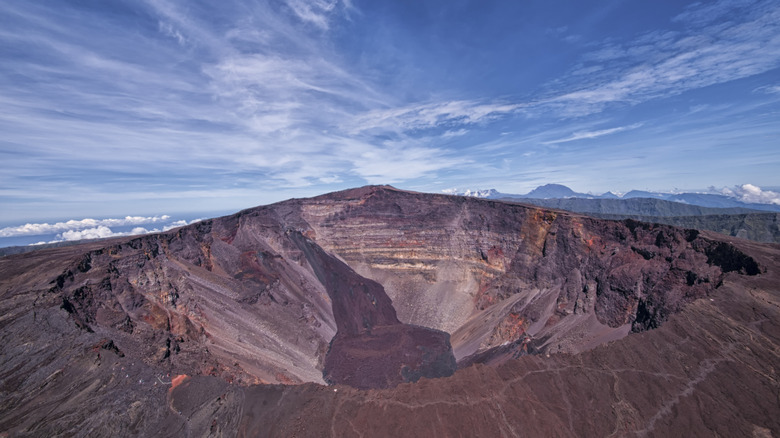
(372, 349)
(388, 356)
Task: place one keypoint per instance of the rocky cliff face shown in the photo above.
(212, 299)
(371, 288)
(248, 298)
(372, 349)
(490, 272)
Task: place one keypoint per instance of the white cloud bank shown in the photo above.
(752, 194)
(102, 232)
(76, 225)
(82, 229)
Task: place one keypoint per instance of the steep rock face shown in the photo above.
(372, 349)
(734, 221)
(205, 299)
(359, 305)
(432, 253)
(491, 272)
(247, 298)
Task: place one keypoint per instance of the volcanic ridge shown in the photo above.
(377, 311)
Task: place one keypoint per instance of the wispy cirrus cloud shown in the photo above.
(455, 113)
(271, 93)
(587, 135)
(768, 89)
(721, 42)
(393, 162)
(169, 30)
(317, 12)
(455, 133)
(246, 102)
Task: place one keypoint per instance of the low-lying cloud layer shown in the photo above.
(74, 225)
(96, 233)
(82, 229)
(752, 194)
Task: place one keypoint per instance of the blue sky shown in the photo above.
(114, 108)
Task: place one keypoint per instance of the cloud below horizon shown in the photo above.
(81, 229)
(750, 193)
(34, 229)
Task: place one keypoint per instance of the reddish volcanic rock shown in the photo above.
(475, 268)
(359, 305)
(562, 325)
(372, 349)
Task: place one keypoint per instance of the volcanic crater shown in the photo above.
(233, 326)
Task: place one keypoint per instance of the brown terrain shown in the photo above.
(380, 312)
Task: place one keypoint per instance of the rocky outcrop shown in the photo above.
(250, 299)
(368, 288)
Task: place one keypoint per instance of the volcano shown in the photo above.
(381, 312)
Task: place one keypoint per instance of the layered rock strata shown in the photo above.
(372, 349)
(231, 326)
(492, 273)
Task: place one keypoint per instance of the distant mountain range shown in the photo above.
(559, 191)
(720, 213)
